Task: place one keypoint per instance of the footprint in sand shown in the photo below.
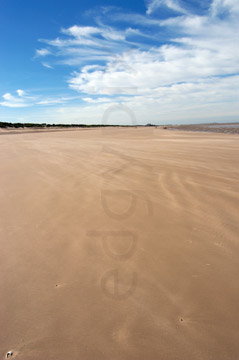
(9, 354)
(61, 285)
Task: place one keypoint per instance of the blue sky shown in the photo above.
(164, 61)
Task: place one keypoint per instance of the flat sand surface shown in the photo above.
(119, 244)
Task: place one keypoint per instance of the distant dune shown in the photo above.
(119, 244)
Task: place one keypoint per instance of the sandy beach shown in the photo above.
(119, 244)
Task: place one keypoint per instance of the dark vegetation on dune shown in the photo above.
(7, 125)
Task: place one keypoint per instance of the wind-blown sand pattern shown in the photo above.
(119, 244)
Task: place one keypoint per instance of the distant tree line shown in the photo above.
(43, 126)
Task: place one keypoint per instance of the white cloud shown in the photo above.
(14, 101)
(213, 99)
(187, 67)
(142, 72)
(42, 52)
(82, 32)
(205, 48)
(21, 93)
(221, 6)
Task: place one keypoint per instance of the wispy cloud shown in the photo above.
(101, 43)
(170, 4)
(83, 32)
(97, 101)
(135, 19)
(186, 61)
(58, 100)
(46, 65)
(23, 99)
